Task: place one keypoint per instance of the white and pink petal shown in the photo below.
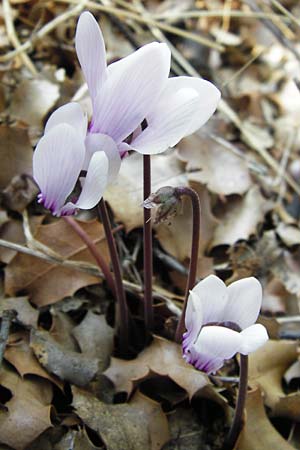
(96, 142)
(71, 114)
(253, 338)
(193, 321)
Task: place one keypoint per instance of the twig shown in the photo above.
(7, 317)
(286, 12)
(12, 36)
(174, 17)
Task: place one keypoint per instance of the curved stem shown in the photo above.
(120, 293)
(94, 251)
(148, 263)
(240, 405)
(196, 211)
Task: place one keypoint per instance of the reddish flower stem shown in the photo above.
(94, 251)
(196, 211)
(240, 405)
(120, 292)
(148, 262)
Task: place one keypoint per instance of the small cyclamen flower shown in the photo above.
(219, 322)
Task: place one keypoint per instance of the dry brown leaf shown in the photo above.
(258, 432)
(67, 365)
(95, 338)
(26, 314)
(141, 424)
(125, 195)
(47, 283)
(241, 218)
(32, 100)
(75, 440)
(163, 358)
(214, 165)
(175, 237)
(289, 234)
(28, 412)
(266, 369)
(16, 153)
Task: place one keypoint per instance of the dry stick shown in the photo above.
(148, 263)
(94, 251)
(239, 410)
(194, 252)
(120, 292)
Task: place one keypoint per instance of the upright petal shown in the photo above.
(183, 107)
(57, 162)
(131, 90)
(253, 338)
(212, 293)
(193, 321)
(93, 185)
(213, 346)
(70, 113)
(244, 302)
(91, 53)
(96, 142)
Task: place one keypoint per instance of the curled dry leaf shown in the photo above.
(214, 165)
(16, 154)
(95, 338)
(28, 411)
(266, 369)
(141, 424)
(75, 440)
(26, 314)
(241, 217)
(47, 283)
(125, 195)
(258, 432)
(32, 100)
(67, 365)
(163, 358)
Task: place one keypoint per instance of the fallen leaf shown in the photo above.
(141, 424)
(240, 218)
(33, 99)
(258, 432)
(163, 358)
(95, 338)
(75, 440)
(125, 195)
(26, 314)
(289, 234)
(16, 153)
(47, 283)
(67, 365)
(28, 411)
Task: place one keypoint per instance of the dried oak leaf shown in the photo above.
(20, 355)
(26, 314)
(258, 432)
(240, 218)
(214, 165)
(75, 440)
(69, 366)
(33, 99)
(125, 195)
(28, 411)
(141, 424)
(163, 358)
(47, 283)
(16, 153)
(267, 367)
(95, 338)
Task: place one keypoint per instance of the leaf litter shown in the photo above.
(245, 166)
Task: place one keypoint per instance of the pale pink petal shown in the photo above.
(72, 114)
(183, 107)
(244, 302)
(101, 142)
(131, 90)
(90, 50)
(253, 338)
(213, 346)
(57, 162)
(193, 321)
(212, 293)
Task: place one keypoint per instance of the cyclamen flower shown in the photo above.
(124, 95)
(219, 322)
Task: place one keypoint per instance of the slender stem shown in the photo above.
(239, 410)
(94, 251)
(196, 211)
(148, 262)
(120, 293)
